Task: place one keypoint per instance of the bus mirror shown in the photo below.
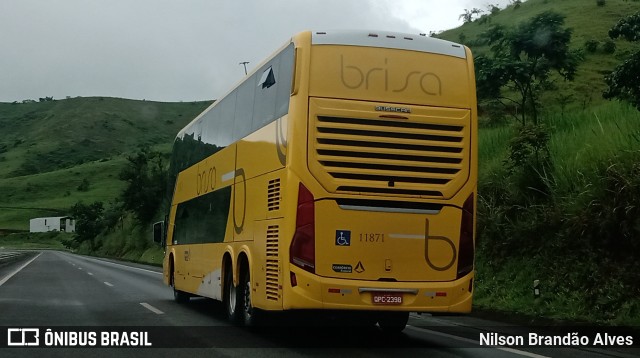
(158, 232)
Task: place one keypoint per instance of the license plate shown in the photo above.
(380, 298)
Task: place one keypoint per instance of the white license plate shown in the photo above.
(380, 298)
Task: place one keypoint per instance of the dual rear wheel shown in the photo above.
(237, 299)
(237, 303)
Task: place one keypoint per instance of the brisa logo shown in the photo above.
(355, 77)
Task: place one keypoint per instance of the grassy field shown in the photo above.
(46, 136)
(57, 190)
(582, 239)
(48, 149)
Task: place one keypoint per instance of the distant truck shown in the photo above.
(56, 223)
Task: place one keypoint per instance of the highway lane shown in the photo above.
(63, 289)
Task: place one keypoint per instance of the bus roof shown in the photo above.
(385, 39)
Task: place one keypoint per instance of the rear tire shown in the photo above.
(251, 316)
(231, 297)
(393, 322)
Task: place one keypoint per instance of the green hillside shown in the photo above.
(572, 222)
(44, 136)
(47, 149)
(588, 22)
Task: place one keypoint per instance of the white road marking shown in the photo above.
(90, 274)
(467, 340)
(108, 284)
(6, 278)
(79, 268)
(129, 267)
(151, 308)
(125, 266)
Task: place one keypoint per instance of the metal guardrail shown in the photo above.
(6, 255)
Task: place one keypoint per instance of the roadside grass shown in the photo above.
(582, 140)
(509, 289)
(127, 241)
(35, 240)
(582, 240)
(492, 149)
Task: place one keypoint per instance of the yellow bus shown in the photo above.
(339, 175)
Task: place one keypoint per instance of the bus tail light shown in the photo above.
(466, 247)
(302, 252)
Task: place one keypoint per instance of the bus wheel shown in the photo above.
(393, 322)
(230, 296)
(250, 315)
(178, 296)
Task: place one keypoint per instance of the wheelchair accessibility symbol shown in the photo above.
(343, 238)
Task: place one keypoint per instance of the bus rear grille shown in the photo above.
(273, 263)
(273, 195)
(388, 156)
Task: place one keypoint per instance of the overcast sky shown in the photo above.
(177, 50)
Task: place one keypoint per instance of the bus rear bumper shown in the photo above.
(314, 292)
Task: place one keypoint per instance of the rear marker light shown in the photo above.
(344, 291)
(302, 251)
(435, 294)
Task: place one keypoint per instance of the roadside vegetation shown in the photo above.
(39, 240)
(559, 184)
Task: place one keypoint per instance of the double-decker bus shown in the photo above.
(339, 175)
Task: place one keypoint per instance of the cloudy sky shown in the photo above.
(177, 50)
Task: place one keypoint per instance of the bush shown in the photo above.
(600, 2)
(84, 186)
(591, 45)
(609, 47)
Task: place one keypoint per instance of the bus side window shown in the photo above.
(264, 104)
(285, 76)
(244, 110)
(227, 119)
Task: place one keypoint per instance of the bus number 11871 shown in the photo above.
(371, 237)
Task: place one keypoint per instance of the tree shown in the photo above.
(624, 80)
(493, 9)
(146, 177)
(522, 61)
(468, 15)
(88, 222)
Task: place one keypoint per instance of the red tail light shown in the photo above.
(466, 247)
(302, 252)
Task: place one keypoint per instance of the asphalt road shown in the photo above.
(66, 292)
